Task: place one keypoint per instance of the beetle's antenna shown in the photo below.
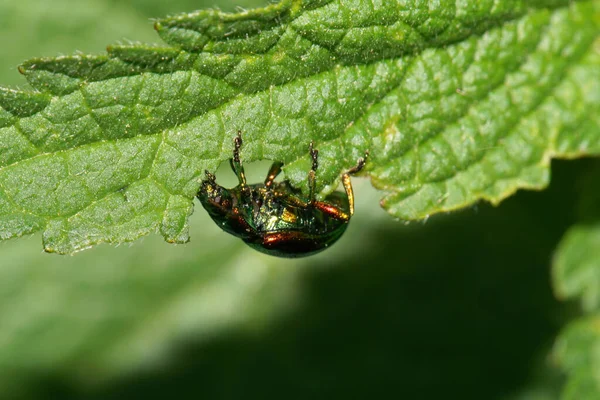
(314, 154)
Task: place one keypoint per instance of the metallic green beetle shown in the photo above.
(273, 217)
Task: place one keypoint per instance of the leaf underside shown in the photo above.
(456, 102)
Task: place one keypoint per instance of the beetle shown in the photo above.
(274, 217)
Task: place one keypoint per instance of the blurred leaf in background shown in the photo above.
(457, 308)
(576, 276)
(36, 28)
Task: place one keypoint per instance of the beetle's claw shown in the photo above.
(363, 160)
(360, 164)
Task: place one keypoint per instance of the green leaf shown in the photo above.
(577, 350)
(576, 275)
(455, 101)
(577, 266)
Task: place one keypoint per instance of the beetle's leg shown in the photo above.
(292, 200)
(273, 172)
(349, 192)
(332, 210)
(236, 164)
(321, 205)
(346, 180)
(312, 181)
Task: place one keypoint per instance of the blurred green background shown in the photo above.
(457, 307)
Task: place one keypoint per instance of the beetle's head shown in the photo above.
(223, 207)
(215, 198)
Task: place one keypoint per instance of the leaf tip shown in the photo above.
(174, 227)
